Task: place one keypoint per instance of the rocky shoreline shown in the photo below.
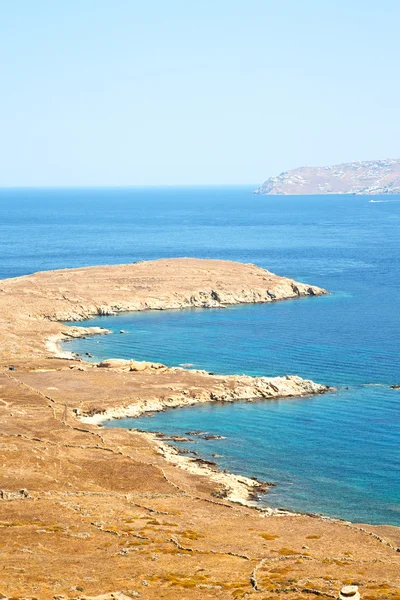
(76, 497)
(234, 388)
(33, 307)
(212, 284)
(235, 488)
(229, 388)
(268, 288)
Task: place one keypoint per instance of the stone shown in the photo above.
(349, 592)
(120, 364)
(139, 365)
(115, 363)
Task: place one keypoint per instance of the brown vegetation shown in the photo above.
(93, 512)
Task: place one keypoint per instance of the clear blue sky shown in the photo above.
(154, 92)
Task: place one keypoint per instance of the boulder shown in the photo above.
(115, 363)
(129, 365)
(349, 592)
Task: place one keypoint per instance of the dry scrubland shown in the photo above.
(86, 511)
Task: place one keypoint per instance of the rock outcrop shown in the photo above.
(196, 387)
(119, 364)
(373, 177)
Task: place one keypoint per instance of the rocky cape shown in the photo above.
(180, 388)
(31, 307)
(373, 177)
(193, 387)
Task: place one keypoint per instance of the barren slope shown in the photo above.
(371, 177)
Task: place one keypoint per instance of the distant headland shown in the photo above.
(371, 177)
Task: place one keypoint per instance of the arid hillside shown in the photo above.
(372, 177)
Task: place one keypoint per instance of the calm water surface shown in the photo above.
(337, 454)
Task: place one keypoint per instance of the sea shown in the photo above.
(336, 454)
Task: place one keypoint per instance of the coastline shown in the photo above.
(232, 487)
(223, 389)
(244, 490)
(33, 307)
(220, 388)
(166, 523)
(235, 488)
(240, 489)
(53, 342)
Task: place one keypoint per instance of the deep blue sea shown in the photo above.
(337, 454)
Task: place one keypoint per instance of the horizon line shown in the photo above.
(128, 186)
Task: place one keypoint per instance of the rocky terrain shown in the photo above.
(190, 387)
(118, 388)
(32, 306)
(89, 512)
(373, 177)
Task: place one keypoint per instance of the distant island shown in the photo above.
(371, 177)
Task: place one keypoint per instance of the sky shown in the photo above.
(188, 92)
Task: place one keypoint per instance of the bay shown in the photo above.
(337, 454)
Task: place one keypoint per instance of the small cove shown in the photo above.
(335, 454)
(310, 448)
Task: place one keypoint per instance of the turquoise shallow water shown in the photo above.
(328, 454)
(337, 454)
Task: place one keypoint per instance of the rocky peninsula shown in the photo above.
(372, 177)
(88, 512)
(32, 307)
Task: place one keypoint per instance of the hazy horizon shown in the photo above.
(160, 94)
(161, 185)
